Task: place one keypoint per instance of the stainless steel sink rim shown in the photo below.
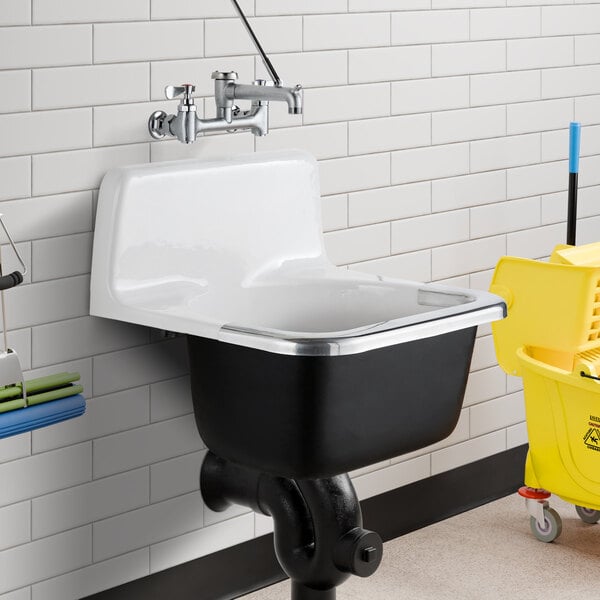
(374, 337)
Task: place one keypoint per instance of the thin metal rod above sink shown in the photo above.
(267, 62)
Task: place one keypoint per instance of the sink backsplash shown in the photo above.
(440, 131)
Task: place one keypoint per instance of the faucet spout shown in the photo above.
(296, 107)
(268, 93)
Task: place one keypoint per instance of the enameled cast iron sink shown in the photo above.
(298, 368)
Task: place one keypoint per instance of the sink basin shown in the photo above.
(298, 368)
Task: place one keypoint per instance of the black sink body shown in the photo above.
(308, 417)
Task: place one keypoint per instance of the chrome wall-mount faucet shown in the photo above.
(186, 125)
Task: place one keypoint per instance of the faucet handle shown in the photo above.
(185, 89)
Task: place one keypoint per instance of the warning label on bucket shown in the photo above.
(592, 439)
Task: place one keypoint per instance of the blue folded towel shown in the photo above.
(41, 415)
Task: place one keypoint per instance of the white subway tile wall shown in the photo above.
(440, 127)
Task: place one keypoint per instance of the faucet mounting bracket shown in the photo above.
(157, 124)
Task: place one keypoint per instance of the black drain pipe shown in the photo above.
(319, 539)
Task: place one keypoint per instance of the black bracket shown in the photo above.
(319, 538)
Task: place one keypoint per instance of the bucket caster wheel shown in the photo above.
(551, 528)
(588, 515)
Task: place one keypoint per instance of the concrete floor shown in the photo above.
(485, 554)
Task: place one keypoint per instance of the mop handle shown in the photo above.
(574, 145)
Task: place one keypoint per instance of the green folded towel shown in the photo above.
(10, 391)
(63, 392)
(39, 390)
(8, 405)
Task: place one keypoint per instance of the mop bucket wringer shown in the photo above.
(551, 338)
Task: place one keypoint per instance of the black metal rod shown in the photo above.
(572, 215)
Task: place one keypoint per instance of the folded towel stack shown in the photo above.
(49, 400)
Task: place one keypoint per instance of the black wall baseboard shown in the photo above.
(252, 565)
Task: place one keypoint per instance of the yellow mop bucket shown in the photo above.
(551, 338)
(563, 422)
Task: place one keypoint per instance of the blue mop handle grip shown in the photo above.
(10, 280)
(574, 146)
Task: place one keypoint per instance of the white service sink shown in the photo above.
(298, 367)
(232, 250)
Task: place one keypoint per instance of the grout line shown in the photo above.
(347, 139)
(31, 174)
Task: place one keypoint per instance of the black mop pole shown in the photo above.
(574, 144)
